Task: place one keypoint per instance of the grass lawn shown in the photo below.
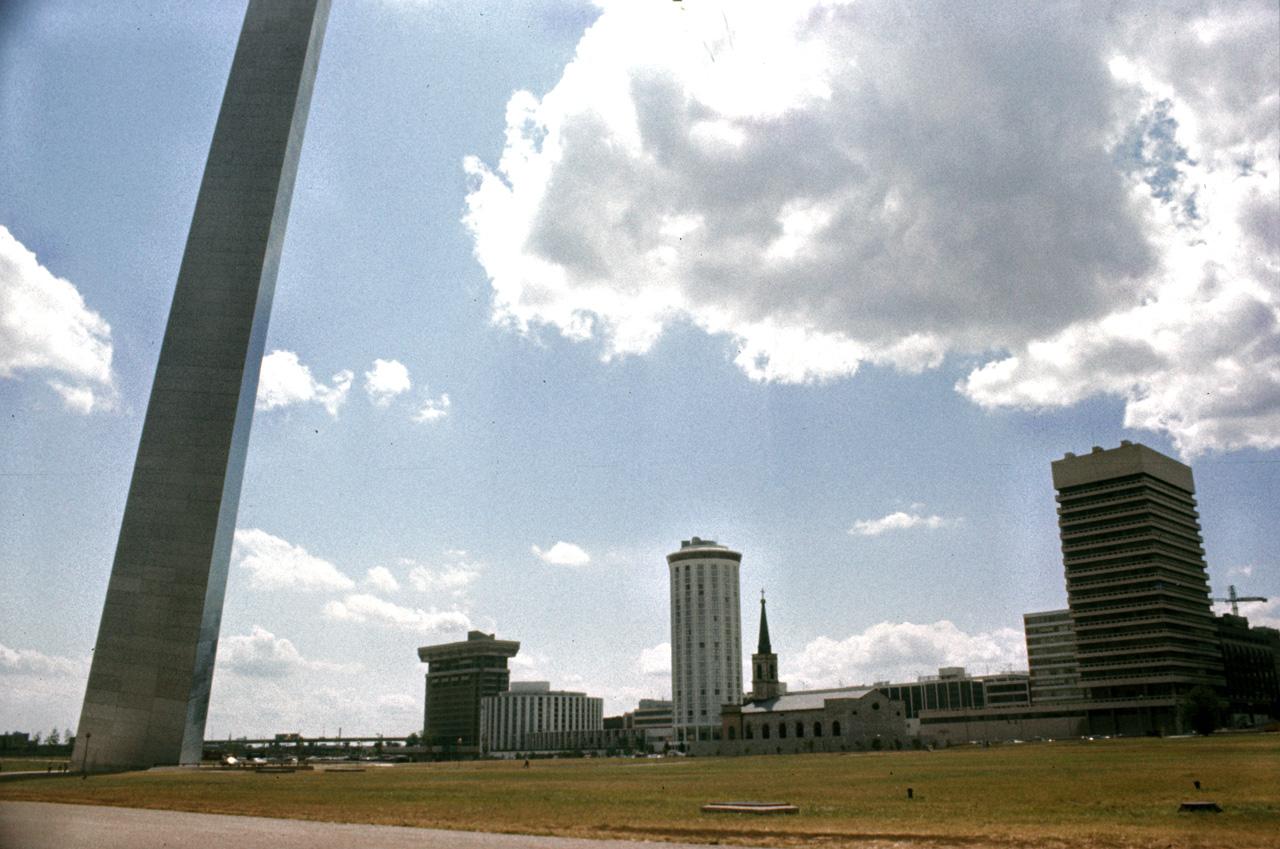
(30, 764)
(1103, 793)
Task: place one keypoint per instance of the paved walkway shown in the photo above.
(44, 825)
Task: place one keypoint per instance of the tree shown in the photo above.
(53, 739)
(1201, 710)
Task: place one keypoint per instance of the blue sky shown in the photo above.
(566, 283)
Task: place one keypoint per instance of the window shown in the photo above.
(747, 733)
(835, 728)
(817, 729)
(764, 731)
(799, 730)
(782, 730)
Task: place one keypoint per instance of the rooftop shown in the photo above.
(805, 700)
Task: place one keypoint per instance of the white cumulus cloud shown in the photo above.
(451, 578)
(433, 409)
(32, 662)
(274, 563)
(261, 654)
(386, 380)
(563, 554)
(898, 521)
(285, 381)
(1079, 198)
(656, 660)
(40, 690)
(371, 609)
(904, 650)
(45, 327)
(380, 578)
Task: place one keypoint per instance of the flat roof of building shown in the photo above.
(477, 644)
(1131, 458)
(702, 548)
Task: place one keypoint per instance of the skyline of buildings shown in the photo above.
(420, 454)
(1137, 634)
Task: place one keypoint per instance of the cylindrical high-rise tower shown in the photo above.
(706, 637)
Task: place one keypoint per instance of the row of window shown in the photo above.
(748, 730)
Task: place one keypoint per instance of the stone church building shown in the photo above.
(773, 721)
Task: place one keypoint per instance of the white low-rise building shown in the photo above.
(530, 707)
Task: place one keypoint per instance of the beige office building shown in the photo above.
(1137, 586)
(1051, 657)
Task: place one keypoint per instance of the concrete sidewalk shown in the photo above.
(44, 825)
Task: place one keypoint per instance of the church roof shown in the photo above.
(805, 700)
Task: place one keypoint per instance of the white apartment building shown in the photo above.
(532, 706)
(706, 637)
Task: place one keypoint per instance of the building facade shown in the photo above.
(652, 719)
(951, 689)
(1051, 657)
(1007, 689)
(1137, 586)
(1249, 658)
(840, 720)
(459, 676)
(599, 741)
(508, 719)
(706, 637)
(651, 713)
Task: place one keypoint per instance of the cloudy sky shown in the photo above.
(831, 283)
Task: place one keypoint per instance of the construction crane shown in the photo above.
(1235, 599)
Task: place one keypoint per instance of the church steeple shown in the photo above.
(763, 647)
(764, 664)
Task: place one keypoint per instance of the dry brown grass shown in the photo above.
(1100, 795)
